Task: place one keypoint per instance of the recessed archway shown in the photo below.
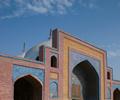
(116, 94)
(27, 88)
(87, 80)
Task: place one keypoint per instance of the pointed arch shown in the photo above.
(116, 94)
(88, 80)
(27, 87)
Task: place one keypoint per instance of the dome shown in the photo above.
(33, 53)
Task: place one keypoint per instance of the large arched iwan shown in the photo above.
(88, 79)
(27, 88)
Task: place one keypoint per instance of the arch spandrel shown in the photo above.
(76, 58)
(19, 71)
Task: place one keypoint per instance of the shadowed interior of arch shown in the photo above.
(27, 88)
(89, 80)
(116, 94)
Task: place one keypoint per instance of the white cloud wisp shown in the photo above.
(16, 8)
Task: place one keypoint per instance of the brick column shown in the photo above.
(6, 84)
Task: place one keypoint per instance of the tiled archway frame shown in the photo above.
(20, 71)
(75, 58)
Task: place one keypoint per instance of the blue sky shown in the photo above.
(29, 21)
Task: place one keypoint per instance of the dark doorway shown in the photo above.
(116, 95)
(89, 80)
(27, 88)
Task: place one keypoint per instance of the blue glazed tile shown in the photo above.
(76, 58)
(19, 71)
(115, 86)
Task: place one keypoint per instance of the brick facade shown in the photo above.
(64, 44)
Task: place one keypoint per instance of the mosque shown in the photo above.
(62, 68)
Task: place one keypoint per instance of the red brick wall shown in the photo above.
(55, 39)
(41, 53)
(6, 84)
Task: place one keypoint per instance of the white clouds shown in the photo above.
(13, 15)
(113, 50)
(49, 6)
(36, 9)
(4, 3)
(22, 7)
(88, 3)
(35, 6)
(114, 53)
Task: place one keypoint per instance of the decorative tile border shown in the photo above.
(19, 71)
(76, 58)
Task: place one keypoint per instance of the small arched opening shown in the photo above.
(54, 62)
(108, 76)
(37, 58)
(27, 88)
(116, 94)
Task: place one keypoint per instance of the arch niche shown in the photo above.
(85, 82)
(27, 88)
(116, 94)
